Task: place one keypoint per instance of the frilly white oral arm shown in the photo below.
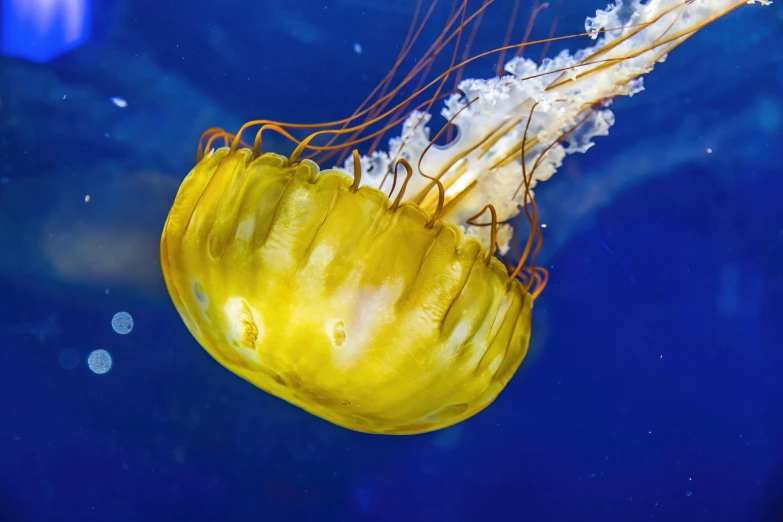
(550, 110)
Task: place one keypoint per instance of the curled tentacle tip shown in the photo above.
(357, 171)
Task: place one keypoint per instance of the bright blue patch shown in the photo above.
(40, 30)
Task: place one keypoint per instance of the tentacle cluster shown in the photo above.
(564, 99)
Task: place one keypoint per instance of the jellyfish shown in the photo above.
(392, 293)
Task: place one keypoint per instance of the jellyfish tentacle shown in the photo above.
(424, 62)
(531, 214)
(394, 181)
(408, 175)
(357, 171)
(422, 194)
(509, 29)
(206, 134)
(493, 243)
(552, 30)
(441, 197)
(434, 81)
(210, 135)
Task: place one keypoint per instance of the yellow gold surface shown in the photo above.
(326, 298)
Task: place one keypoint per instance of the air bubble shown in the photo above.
(99, 361)
(122, 323)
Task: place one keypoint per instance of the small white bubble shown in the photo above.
(122, 323)
(99, 361)
(688, 493)
(709, 151)
(69, 358)
(357, 48)
(119, 102)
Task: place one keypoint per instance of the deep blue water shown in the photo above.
(652, 390)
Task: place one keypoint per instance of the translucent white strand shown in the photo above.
(563, 93)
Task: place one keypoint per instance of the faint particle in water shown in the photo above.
(69, 358)
(99, 361)
(363, 497)
(357, 48)
(122, 323)
(300, 449)
(448, 438)
(688, 493)
(193, 419)
(44, 330)
(709, 150)
(119, 102)
(769, 114)
(179, 454)
(4, 181)
(631, 278)
(87, 198)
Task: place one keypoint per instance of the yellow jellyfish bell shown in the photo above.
(366, 312)
(387, 311)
